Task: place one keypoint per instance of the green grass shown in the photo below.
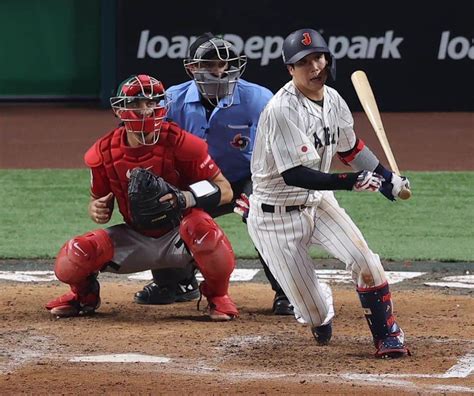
(41, 209)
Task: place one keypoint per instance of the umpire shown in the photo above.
(223, 109)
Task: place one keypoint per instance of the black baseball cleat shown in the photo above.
(153, 294)
(322, 334)
(282, 306)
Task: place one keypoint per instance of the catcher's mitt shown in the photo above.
(144, 192)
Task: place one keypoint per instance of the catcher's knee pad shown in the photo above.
(82, 256)
(210, 248)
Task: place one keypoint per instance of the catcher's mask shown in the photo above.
(215, 68)
(303, 42)
(141, 105)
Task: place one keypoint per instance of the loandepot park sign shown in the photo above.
(267, 48)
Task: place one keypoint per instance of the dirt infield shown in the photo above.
(258, 353)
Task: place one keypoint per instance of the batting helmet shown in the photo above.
(303, 42)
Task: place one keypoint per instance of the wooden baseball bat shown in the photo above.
(367, 99)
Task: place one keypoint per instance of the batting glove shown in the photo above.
(391, 189)
(242, 206)
(368, 181)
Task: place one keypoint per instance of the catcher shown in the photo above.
(163, 180)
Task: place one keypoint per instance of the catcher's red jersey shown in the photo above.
(179, 157)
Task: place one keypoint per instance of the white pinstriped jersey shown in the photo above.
(294, 131)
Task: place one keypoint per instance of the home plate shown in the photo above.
(121, 358)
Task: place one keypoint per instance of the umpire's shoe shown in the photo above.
(281, 305)
(161, 295)
(322, 334)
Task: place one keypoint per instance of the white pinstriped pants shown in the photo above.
(284, 239)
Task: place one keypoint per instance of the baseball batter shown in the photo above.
(143, 165)
(293, 207)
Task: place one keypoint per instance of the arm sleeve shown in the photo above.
(311, 179)
(360, 157)
(288, 142)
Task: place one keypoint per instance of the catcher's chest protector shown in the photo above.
(119, 162)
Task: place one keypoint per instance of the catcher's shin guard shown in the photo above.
(378, 310)
(83, 256)
(211, 250)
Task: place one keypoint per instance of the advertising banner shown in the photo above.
(417, 58)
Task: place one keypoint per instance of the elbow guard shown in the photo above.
(360, 157)
(206, 193)
(348, 156)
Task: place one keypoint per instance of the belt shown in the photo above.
(280, 209)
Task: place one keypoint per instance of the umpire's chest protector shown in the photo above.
(118, 160)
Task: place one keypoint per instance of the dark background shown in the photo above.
(418, 81)
(63, 50)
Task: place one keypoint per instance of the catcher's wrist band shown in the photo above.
(206, 193)
(190, 200)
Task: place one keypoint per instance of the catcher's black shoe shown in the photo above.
(322, 334)
(282, 306)
(160, 295)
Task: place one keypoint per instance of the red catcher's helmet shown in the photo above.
(141, 105)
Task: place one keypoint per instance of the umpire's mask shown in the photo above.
(215, 68)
